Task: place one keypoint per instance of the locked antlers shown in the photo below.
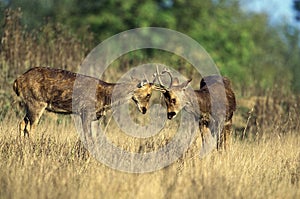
(160, 86)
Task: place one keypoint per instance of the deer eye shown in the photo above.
(148, 95)
(173, 100)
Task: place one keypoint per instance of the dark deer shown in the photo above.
(50, 89)
(177, 97)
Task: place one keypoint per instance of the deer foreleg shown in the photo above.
(87, 119)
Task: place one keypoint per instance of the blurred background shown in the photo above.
(254, 43)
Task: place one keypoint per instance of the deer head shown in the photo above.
(142, 94)
(174, 94)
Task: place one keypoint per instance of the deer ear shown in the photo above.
(185, 84)
(202, 83)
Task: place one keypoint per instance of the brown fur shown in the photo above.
(43, 88)
(214, 85)
(177, 97)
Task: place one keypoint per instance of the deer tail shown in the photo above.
(16, 87)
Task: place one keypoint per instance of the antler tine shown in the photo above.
(157, 76)
(154, 79)
(165, 70)
(146, 78)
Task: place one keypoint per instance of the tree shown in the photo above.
(242, 44)
(297, 9)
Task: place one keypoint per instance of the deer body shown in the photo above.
(43, 88)
(177, 98)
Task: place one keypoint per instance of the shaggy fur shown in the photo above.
(50, 89)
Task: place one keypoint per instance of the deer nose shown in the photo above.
(171, 115)
(144, 110)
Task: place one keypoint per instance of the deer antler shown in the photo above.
(161, 87)
(146, 78)
(169, 73)
(156, 76)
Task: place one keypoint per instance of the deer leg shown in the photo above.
(224, 136)
(206, 133)
(208, 141)
(220, 135)
(227, 133)
(33, 115)
(87, 119)
(23, 127)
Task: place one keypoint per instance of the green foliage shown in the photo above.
(244, 47)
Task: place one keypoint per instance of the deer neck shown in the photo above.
(117, 94)
(190, 102)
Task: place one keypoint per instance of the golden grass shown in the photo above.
(54, 164)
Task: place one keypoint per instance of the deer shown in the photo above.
(177, 97)
(51, 89)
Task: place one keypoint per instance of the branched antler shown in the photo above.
(156, 76)
(166, 70)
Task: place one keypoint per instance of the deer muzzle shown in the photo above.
(171, 115)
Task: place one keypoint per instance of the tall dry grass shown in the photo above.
(54, 164)
(263, 160)
(51, 45)
(274, 113)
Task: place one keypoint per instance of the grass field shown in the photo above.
(54, 164)
(263, 160)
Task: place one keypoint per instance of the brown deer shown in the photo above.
(177, 97)
(50, 89)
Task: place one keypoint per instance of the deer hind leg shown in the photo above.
(227, 134)
(224, 137)
(30, 121)
(208, 141)
(24, 127)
